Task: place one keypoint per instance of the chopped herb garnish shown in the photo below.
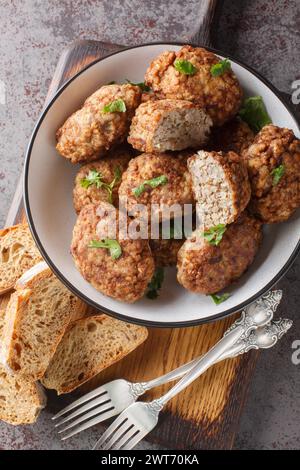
(142, 85)
(155, 284)
(221, 67)
(218, 299)
(254, 113)
(111, 83)
(185, 66)
(116, 106)
(277, 174)
(95, 177)
(215, 234)
(113, 246)
(153, 183)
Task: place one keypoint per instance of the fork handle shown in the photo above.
(204, 363)
(182, 370)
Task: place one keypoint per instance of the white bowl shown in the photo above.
(48, 184)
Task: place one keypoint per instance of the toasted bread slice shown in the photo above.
(18, 253)
(88, 347)
(37, 316)
(20, 401)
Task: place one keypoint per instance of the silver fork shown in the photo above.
(112, 398)
(140, 418)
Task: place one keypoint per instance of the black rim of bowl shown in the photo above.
(70, 286)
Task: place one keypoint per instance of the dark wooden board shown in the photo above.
(206, 415)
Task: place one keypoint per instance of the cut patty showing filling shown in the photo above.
(220, 185)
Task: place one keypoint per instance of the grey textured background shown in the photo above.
(263, 33)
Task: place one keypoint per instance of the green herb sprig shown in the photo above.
(220, 68)
(215, 234)
(254, 113)
(113, 246)
(218, 299)
(277, 174)
(95, 177)
(153, 183)
(142, 85)
(155, 284)
(116, 106)
(185, 67)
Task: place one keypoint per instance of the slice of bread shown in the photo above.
(88, 347)
(18, 253)
(20, 401)
(37, 316)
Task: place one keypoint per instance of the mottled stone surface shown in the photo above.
(263, 33)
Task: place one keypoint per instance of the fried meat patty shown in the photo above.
(221, 95)
(273, 162)
(206, 269)
(92, 130)
(125, 278)
(162, 125)
(89, 189)
(221, 186)
(176, 191)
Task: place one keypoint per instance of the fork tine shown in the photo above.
(80, 401)
(86, 416)
(131, 431)
(97, 402)
(92, 422)
(126, 426)
(134, 440)
(121, 419)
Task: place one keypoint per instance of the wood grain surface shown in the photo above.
(206, 415)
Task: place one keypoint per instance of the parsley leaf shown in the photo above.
(215, 234)
(153, 183)
(218, 299)
(254, 113)
(116, 106)
(184, 66)
(95, 177)
(113, 246)
(277, 174)
(142, 85)
(221, 67)
(155, 284)
(112, 82)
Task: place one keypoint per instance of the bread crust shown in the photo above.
(66, 374)
(18, 253)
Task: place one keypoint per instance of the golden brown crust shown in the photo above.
(89, 133)
(235, 136)
(207, 269)
(125, 278)
(272, 147)
(106, 167)
(221, 95)
(149, 116)
(146, 166)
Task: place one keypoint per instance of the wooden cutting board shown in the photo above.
(206, 415)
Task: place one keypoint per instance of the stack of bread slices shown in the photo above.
(46, 337)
